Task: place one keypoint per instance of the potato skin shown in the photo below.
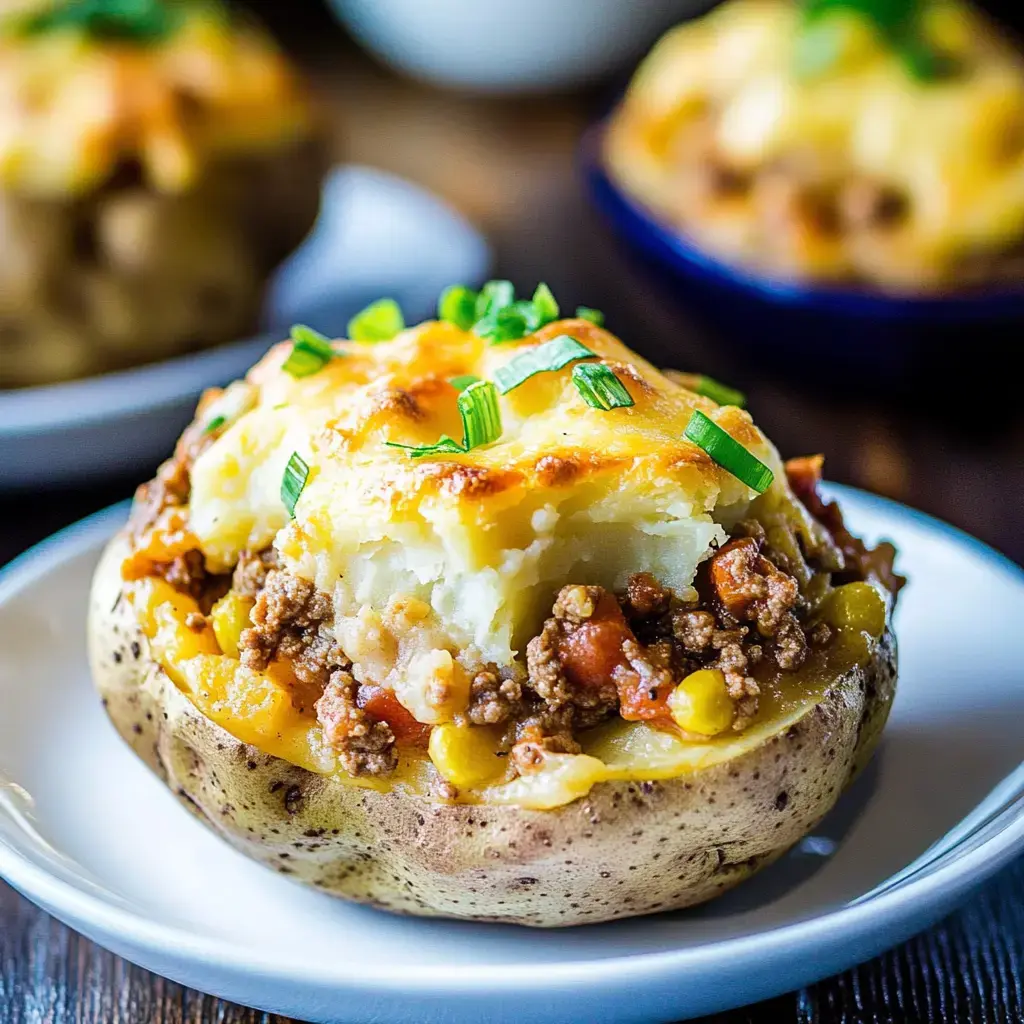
(627, 848)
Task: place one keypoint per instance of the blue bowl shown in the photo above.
(811, 328)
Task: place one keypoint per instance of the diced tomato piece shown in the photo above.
(592, 652)
(383, 705)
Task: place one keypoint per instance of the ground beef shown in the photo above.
(645, 596)
(171, 488)
(598, 655)
(571, 662)
(291, 619)
(250, 575)
(365, 745)
(859, 561)
(493, 700)
(187, 574)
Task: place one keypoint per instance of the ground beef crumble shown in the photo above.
(366, 746)
(171, 488)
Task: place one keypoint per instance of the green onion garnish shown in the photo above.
(481, 416)
(599, 387)
(130, 21)
(445, 446)
(544, 305)
(481, 424)
(293, 481)
(728, 452)
(900, 23)
(463, 382)
(718, 392)
(552, 355)
(501, 317)
(380, 321)
(595, 316)
(311, 352)
(493, 296)
(457, 305)
(508, 323)
(215, 424)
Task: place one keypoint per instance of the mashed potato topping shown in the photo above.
(459, 555)
(856, 169)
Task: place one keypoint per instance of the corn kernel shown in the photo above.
(230, 615)
(701, 703)
(466, 756)
(857, 606)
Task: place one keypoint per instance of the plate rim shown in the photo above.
(939, 888)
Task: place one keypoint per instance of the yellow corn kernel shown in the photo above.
(230, 615)
(857, 606)
(466, 756)
(701, 703)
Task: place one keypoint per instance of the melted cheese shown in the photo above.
(462, 555)
(73, 108)
(954, 147)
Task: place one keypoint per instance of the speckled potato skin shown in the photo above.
(627, 848)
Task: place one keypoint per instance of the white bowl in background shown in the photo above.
(498, 46)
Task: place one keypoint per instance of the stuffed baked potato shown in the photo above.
(157, 161)
(880, 144)
(489, 618)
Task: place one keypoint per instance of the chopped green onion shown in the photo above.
(457, 305)
(493, 296)
(544, 305)
(380, 321)
(900, 23)
(311, 352)
(718, 392)
(599, 387)
(481, 416)
(481, 423)
(130, 21)
(595, 316)
(501, 317)
(552, 355)
(215, 424)
(728, 452)
(509, 323)
(445, 446)
(463, 382)
(293, 481)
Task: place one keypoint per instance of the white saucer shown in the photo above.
(376, 235)
(91, 836)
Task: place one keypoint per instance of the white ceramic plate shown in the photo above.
(90, 835)
(376, 235)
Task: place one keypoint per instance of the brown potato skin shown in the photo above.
(627, 848)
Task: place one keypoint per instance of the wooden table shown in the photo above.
(509, 165)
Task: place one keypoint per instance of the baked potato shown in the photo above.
(157, 161)
(879, 145)
(489, 618)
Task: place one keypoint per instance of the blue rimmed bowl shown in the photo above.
(814, 330)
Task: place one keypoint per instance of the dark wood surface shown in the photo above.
(957, 453)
